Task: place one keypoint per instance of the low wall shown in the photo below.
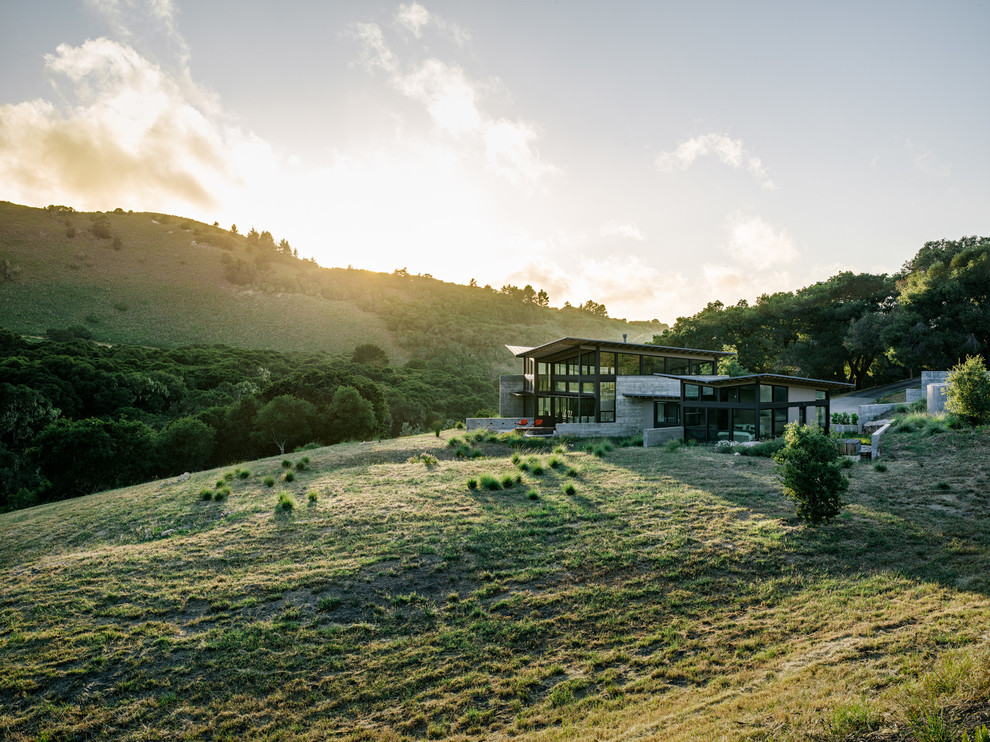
(869, 412)
(659, 436)
(936, 398)
(592, 430)
(875, 441)
(498, 424)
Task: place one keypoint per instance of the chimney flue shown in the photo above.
(624, 336)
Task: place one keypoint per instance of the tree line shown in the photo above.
(78, 417)
(862, 328)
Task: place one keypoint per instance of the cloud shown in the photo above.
(453, 101)
(132, 133)
(755, 255)
(626, 230)
(414, 17)
(925, 161)
(143, 23)
(754, 242)
(729, 151)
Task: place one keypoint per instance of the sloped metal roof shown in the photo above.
(563, 344)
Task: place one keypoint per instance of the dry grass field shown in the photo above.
(639, 594)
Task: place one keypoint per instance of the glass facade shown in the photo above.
(747, 411)
(579, 385)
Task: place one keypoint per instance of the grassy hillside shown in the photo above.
(669, 595)
(164, 281)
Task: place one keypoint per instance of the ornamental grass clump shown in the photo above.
(508, 481)
(809, 468)
(285, 501)
(489, 482)
(269, 481)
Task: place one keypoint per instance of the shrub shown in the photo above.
(221, 483)
(454, 442)
(269, 481)
(533, 495)
(569, 488)
(206, 494)
(286, 464)
(289, 476)
(472, 484)
(285, 501)
(555, 462)
(968, 394)
(229, 476)
(766, 449)
(508, 481)
(243, 473)
(477, 453)
(312, 496)
(535, 466)
(674, 445)
(560, 449)
(880, 467)
(808, 467)
(459, 425)
(515, 457)
(489, 482)
(221, 494)
(301, 466)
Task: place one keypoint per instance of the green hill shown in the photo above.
(668, 595)
(160, 280)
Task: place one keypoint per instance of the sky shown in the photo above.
(649, 156)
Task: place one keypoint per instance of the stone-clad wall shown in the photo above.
(508, 405)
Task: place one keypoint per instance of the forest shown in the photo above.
(77, 417)
(862, 328)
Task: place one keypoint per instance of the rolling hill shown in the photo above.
(628, 593)
(160, 280)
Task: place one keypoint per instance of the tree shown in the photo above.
(286, 420)
(349, 415)
(370, 354)
(542, 298)
(808, 467)
(185, 445)
(968, 394)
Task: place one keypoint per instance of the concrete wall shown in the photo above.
(868, 412)
(498, 424)
(914, 395)
(933, 377)
(936, 398)
(659, 436)
(875, 441)
(509, 405)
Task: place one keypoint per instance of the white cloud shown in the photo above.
(926, 161)
(729, 151)
(414, 17)
(133, 135)
(452, 100)
(755, 253)
(625, 230)
(142, 22)
(754, 242)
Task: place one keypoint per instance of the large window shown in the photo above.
(667, 414)
(678, 366)
(543, 377)
(718, 425)
(704, 368)
(607, 396)
(654, 365)
(628, 364)
(744, 425)
(608, 364)
(694, 423)
(692, 392)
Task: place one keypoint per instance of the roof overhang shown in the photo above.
(555, 347)
(781, 379)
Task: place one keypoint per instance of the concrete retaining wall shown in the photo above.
(509, 405)
(869, 412)
(498, 424)
(875, 441)
(914, 395)
(936, 398)
(659, 436)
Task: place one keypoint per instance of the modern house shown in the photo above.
(581, 387)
